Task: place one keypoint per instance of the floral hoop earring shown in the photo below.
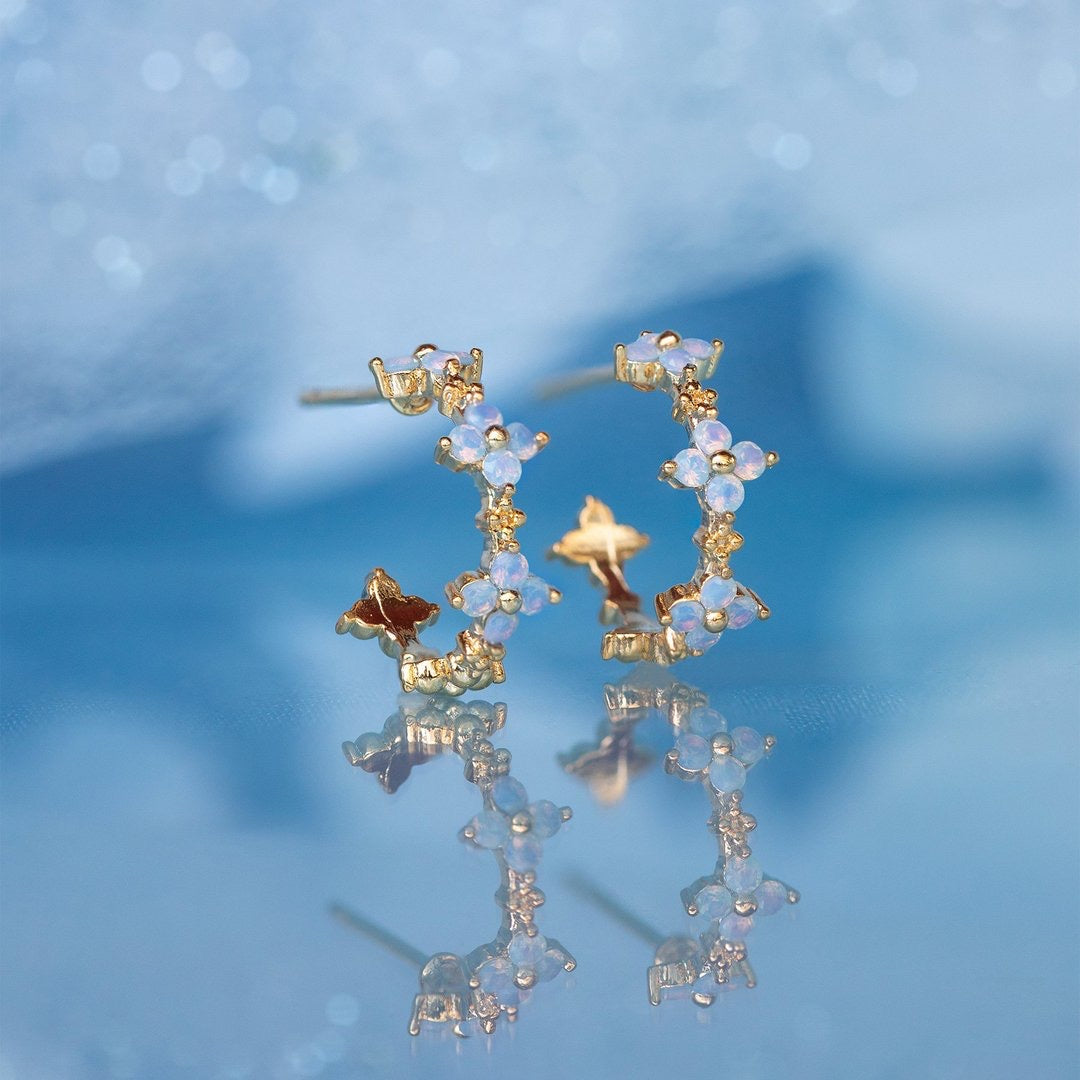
(690, 617)
(502, 588)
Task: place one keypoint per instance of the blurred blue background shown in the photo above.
(206, 209)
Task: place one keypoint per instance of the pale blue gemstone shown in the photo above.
(523, 444)
(686, 614)
(710, 436)
(722, 493)
(692, 467)
(467, 444)
(674, 360)
(523, 853)
(749, 745)
(490, 829)
(399, 363)
(736, 927)
(436, 361)
(727, 774)
(498, 627)
(701, 639)
(546, 818)
(509, 570)
(741, 875)
(643, 350)
(525, 951)
(534, 594)
(713, 902)
(501, 467)
(509, 795)
(549, 965)
(717, 592)
(496, 976)
(479, 597)
(482, 415)
(749, 460)
(695, 751)
(698, 349)
(771, 896)
(742, 611)
(706, 721)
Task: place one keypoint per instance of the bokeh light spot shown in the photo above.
(183, 177)
(277, 124)
(206, 153)
(102, 161)
(792, 151)
(162, 71)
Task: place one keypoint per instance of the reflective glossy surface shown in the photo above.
(177, 813)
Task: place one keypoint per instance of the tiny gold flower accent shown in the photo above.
(694, 402)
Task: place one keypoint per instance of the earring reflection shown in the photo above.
(736, 892)
(472, 992)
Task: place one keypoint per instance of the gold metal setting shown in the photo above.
(604, 545)
(452, 381)
(472, 992)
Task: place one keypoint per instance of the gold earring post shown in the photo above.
(340, 397)
(390, 942)
(574, 381)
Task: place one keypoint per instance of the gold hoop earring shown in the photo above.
(690, 617)
(502, 588)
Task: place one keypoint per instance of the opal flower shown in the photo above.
(714, 468)
(696, 618)
(675, 357)
(514, 826)
(736, 892)
(435, 361)
(509, 589)
(482, 440)
(529, 959)
(722, 758)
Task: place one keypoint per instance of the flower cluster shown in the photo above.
(674, 356)
(514, 826)
(483, 441)
(736, 892)
(433, 361)
(507, 590)
(527, 959)
(714, 468)
(710, 753)
(697, 618)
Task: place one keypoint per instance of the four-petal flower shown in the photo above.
(716, 469)
(674, 354)
(514, 826)
(700, 619)
(706, 752)
(507, 590)
(483, 441)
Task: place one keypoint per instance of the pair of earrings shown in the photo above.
(689, 617)
(474, 991)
